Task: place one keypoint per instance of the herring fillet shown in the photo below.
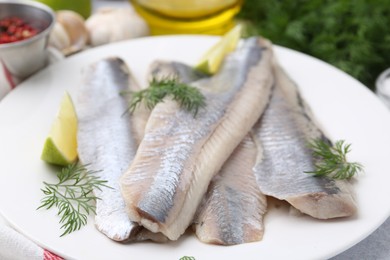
(180, 153)
(233, 208)
(106, 144)
(283, 133)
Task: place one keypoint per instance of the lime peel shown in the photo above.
(212, 59)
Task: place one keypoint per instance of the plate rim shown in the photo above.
(174, 37)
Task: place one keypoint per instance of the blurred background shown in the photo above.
(353, 35)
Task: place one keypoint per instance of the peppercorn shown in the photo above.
(13, 29)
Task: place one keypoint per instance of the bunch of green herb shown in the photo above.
(353, 35)
(73, 196)
(189, 98)
(331, 160)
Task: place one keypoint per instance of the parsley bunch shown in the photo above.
(353, 35)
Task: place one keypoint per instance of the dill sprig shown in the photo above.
(189, 98)
(332, 161)
(73, 196)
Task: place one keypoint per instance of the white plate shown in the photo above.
(345, 108)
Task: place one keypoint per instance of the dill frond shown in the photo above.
(72, 196)
(189, 98)
(331, 161)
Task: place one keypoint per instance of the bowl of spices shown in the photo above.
(24, 31)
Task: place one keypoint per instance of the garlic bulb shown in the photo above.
(115, 24)
(69, 34)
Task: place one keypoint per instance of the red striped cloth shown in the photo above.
(47, 255)
(8, 81)
(15, 246)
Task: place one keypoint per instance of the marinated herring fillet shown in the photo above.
(233, 208)
(282, 134)
(180, 153)
(106, 144)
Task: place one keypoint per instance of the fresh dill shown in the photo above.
(331, 161)
(73, 196)
(189, 98)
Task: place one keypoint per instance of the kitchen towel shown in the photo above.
(15, 246)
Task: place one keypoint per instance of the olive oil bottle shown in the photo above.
(188, 16)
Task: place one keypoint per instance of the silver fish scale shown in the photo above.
(105, 143)
(232, 210)
(284, 132)
(162, 70)
(230, 231)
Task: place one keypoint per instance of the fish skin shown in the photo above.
(232, 211)
(106, 144)
(282, 135)
(171, 69)
(180, 154)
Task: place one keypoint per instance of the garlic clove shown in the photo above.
(115, 24)
(59, 38)
(74, 25)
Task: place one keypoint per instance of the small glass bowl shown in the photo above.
(383, 87)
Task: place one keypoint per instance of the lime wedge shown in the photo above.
(212, 59)
(61, 145)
